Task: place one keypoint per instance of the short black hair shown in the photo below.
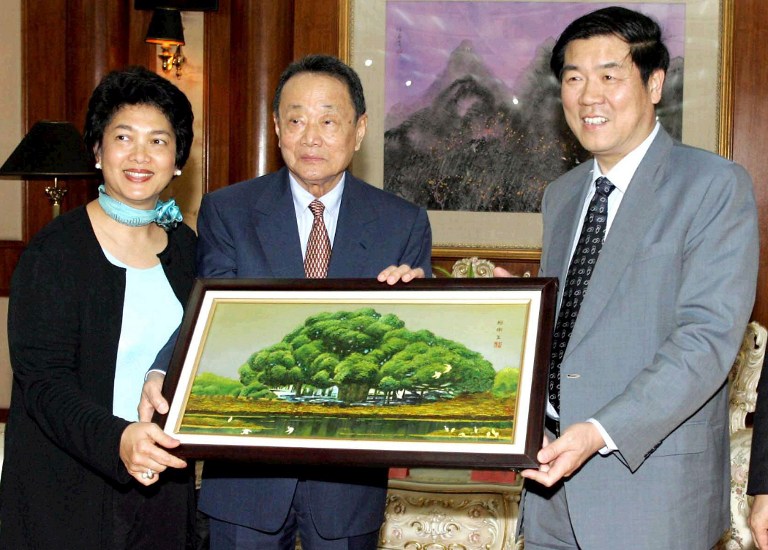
(327, 65)
(139, 86)
(640, 32)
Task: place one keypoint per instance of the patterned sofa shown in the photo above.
(743, 378)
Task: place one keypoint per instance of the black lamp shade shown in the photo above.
(165, 28)
(50, 149)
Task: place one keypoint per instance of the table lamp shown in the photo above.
(51, 150)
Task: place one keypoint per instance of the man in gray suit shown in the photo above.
(637, 450)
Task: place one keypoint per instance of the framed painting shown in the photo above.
(439, 372)
(465, 118)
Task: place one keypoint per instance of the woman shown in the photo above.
(94, 297)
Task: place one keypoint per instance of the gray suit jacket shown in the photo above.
(656, 335)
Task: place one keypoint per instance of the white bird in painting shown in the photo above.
(439, 373)
(245, 431)
(289, 429)
(229, 419)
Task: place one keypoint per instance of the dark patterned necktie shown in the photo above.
(319, 245)
(582, 263)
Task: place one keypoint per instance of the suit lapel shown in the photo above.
(566, 225)
(632, 222)
(277, 231)
(352, 240)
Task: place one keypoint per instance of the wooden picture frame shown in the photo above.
(438, 372)
(707, 99)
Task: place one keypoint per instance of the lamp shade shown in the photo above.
(50, 149)
(165, 28)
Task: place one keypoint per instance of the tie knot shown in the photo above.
(316, 207)
(604, 186)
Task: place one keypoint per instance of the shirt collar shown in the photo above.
(331, 200)
(621, 174)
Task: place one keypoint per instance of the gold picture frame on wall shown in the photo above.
(706, 104)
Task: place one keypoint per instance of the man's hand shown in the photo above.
(758, 521)
(142, 453)
(566, 454)
(404, 273)
(152, 397)
(501, 272)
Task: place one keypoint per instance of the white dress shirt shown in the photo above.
(620, 176)
(304, 216)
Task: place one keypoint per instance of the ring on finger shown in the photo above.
(149, 474)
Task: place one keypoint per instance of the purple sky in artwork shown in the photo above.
(421, 35)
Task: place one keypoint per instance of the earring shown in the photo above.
(98, 166)
(177, 172)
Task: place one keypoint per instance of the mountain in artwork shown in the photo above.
(470, 143)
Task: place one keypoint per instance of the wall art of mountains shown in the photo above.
(471, 143)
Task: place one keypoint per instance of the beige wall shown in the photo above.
(11, 132)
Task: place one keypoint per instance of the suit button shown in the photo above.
(573, 376)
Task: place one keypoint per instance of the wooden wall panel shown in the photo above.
(216, 98)
(45, 89)
(247, 45)
(750, 120)
(139, 52)
(10, 251)
(262, 33)
(96, 39)
(320, 27)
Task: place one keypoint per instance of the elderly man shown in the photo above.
(310, 219)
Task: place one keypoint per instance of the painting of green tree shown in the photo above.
(362, 350)
(359, 373)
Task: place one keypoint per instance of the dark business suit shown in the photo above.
(249, 230)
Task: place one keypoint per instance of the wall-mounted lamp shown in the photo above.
(51, 150)
(165, 29)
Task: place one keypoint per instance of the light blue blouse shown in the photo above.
(151, 312)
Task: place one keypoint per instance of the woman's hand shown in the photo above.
(142, 452)
(152, 397)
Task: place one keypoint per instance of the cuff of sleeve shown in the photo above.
(610, 445)
(150, 371)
